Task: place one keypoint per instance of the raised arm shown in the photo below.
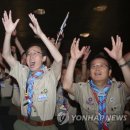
(1, 61)
(17, 43)
(37, 30)
(84, 74)
(116, 54)
(75, 55)
(9, 28)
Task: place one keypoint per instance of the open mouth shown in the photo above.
(32, 64)
(98, 74)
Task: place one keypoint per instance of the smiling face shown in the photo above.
(99, 70)
(35, 58)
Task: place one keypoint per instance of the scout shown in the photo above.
(102, 100)
(37, 83)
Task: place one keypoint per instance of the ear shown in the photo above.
(43, 58)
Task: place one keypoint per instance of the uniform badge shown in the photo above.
(90, 101)
(111, 99)
(42, 97)
(45, 90)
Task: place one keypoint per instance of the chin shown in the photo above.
(32, 69)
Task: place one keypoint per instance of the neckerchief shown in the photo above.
(29, 87)
(101, 96)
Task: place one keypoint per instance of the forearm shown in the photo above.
(52, 49)
(6, 46)
(68, 79)
(7, 50)
(125, 70)
(18, 44)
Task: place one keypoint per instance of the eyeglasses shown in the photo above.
(34, 53)
(101, 66)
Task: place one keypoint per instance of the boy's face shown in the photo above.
(34, 58)
(99, 70)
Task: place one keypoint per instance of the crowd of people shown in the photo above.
(49, 95)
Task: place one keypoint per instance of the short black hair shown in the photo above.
(100, 55)
(40, 44)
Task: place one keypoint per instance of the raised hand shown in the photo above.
(35, 25)
(75, 52)
(116, 52)
(9, 25)
(86, 53)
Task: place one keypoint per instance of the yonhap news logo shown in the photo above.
(62, 117)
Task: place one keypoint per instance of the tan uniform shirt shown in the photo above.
(48, 81)
(6, 88)
(115, 101)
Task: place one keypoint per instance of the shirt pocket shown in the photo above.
(114, 109)
(89, 109)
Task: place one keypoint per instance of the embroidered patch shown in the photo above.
(90, 101)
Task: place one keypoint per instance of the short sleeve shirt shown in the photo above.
(46, 83)
(115, 103)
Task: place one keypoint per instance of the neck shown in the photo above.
(100, 84)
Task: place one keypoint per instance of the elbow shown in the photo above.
(66, 85)
(60, 59)
(4, 55)
(7, 57)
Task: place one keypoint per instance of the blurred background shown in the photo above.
(93, 21)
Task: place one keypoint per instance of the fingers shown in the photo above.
(107, 50)
(86, 52)
(10, 15)
(5, 16)
(83, 50)
(76, 44)
(33, 19)
(31, 26)
(113, 42)
(73, 43)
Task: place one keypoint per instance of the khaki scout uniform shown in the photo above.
(115, 101)
(42, 110)
(6, 90)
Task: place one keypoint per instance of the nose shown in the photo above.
(31, 56)
(98, 67)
